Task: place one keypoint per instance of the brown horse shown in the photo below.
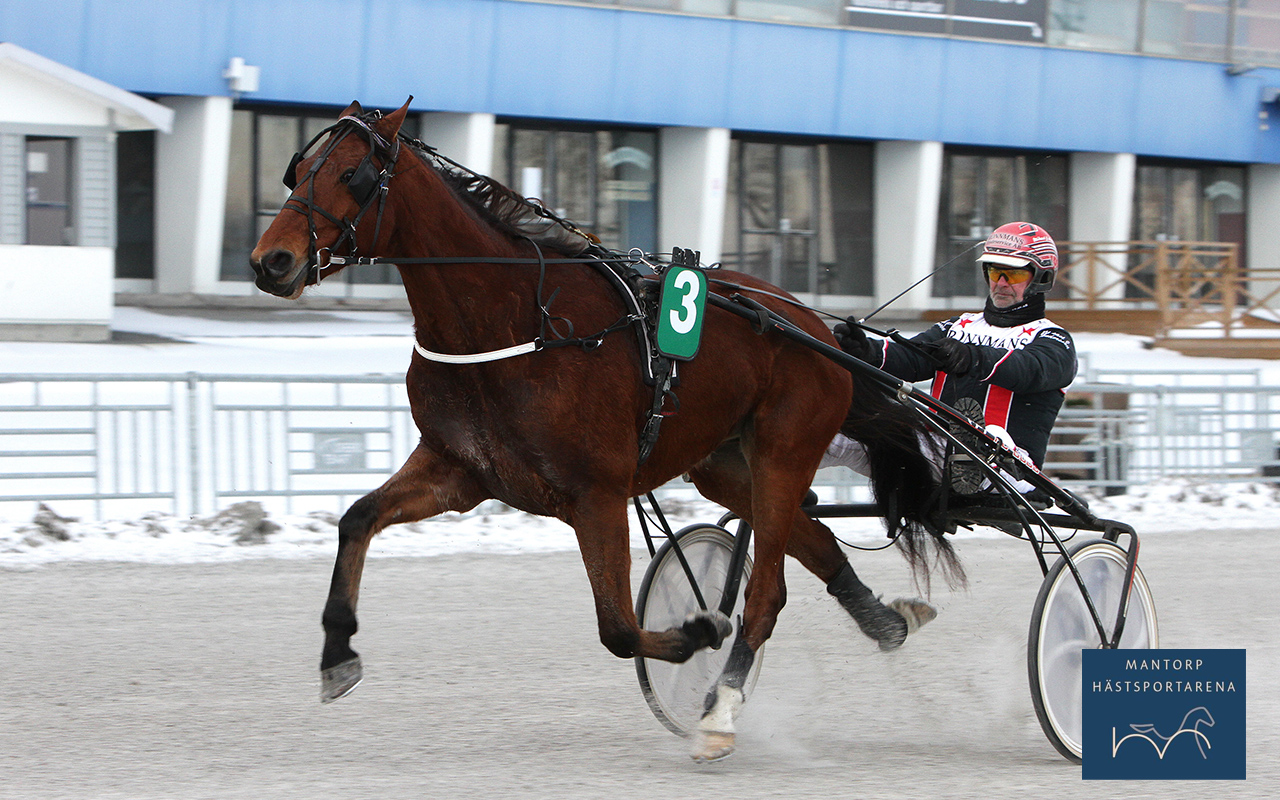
(557, 432)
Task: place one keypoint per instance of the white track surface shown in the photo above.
(484, 679)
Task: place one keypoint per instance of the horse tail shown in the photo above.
(903, 480)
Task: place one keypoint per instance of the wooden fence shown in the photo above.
(1184, 283)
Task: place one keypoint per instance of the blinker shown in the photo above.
(364, 181)
(290, 179)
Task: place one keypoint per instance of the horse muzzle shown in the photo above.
(279, 273)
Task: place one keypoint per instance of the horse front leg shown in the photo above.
(426, 485)
(605, 542)
(766, 483)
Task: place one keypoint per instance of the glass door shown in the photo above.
(775, 235)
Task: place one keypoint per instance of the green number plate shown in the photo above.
(684, 299)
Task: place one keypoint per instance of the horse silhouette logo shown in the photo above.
(1191, 724)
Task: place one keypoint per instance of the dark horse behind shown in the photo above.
(557, 432)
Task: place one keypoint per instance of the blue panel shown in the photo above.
(141, 42)
(438, 52)
(893, 102)
(555, 61)
(310, 51)
(664, 76)
(614, 65)
(1089, 105)
(993, 93)
(781, 78)
(28, 25)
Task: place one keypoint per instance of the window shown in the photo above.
(1187, 202)
(604, 181)
(982, 191)
(262, 144)
(135, 204)
(799, 215)
(50, 220)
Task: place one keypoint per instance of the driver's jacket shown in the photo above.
(1018, 379)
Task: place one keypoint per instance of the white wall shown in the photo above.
(1263, 232)
(691, 190)
(1101, 210)
(191, 191)
(56, 287)
(908, 183)
(465, 138)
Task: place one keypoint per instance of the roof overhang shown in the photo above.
(115, 108)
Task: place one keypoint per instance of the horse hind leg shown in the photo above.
(814, 546)
(425, 486)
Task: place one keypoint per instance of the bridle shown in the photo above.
(367, 184)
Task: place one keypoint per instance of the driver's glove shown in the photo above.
(853, 340)
(951, 355)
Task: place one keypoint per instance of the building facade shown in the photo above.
(842, 149)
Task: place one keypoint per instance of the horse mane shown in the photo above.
(504, 209)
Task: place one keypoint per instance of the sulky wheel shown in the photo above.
(1061, 628)
(676, 693)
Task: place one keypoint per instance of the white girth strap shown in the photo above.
(476, 358)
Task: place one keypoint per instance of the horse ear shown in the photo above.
(389, 125)
(353, 110)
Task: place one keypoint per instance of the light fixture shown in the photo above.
(241, 77)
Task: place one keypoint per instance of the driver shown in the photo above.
(1007, 368)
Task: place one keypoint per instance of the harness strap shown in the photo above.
(476, 358)
(361, 261)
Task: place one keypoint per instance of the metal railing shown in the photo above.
(110, 446)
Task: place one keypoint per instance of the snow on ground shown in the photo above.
(312, 342)
(243, 532)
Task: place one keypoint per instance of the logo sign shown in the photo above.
(339, 451)
(680, 312)
(1174, 714)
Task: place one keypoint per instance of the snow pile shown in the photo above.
(1187, 506)
(246, 531)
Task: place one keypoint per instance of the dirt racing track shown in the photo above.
(484, 678)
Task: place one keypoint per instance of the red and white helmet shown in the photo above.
(1023, 244)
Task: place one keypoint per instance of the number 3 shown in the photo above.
(691, 282)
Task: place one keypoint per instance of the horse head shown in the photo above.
(337, 202)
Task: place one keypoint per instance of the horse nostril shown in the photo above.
(278, 263)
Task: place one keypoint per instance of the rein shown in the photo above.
(367, 184)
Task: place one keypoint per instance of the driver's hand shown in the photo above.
(951, 355)
(853, 340)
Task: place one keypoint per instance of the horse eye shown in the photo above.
(347, 176)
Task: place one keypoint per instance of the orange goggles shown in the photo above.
(1011, 275)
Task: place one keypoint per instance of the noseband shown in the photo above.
(367, 185)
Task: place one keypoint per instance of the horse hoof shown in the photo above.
(338, 681)
(915, 611)
(714, 625)
(709, 746)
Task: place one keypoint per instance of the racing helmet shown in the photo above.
(1023, 244)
